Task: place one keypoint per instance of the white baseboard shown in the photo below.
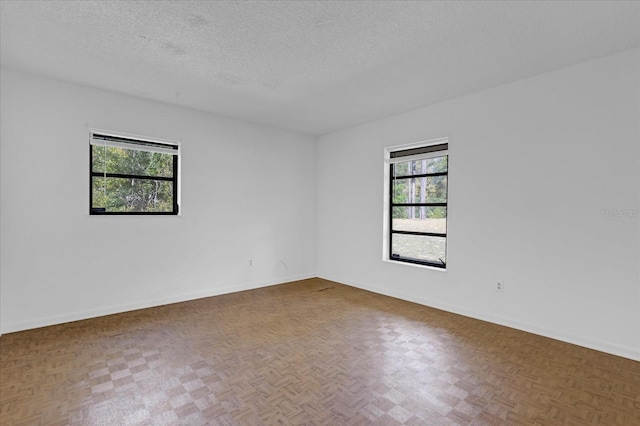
(619, 350)
(110, 310)
(623, 351)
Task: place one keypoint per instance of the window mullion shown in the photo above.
(420, 175)
(131, 176)
(418, 204)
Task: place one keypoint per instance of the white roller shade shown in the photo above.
(136, 145)
(439, 149)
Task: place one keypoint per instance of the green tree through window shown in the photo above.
(418, 205)
(133, 176)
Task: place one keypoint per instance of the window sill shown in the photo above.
(141, 216)
(415, 265)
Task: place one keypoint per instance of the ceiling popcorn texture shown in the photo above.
(312, 66)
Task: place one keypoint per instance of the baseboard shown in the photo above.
(117, 309)
(623, 351)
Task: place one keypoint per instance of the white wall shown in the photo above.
(532, 166)
(248, 191)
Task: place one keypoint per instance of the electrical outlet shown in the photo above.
(500, 286)
(250, 262)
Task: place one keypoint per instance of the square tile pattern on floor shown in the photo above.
(311, 352)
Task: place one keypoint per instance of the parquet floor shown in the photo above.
(311, 352)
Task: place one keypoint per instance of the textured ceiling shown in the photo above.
(312, 66)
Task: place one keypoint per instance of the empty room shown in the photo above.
(319, 213)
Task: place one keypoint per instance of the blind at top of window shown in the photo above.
(98, 139)
(419, 153)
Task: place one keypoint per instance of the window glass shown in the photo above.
(418, 205)
(130, 176)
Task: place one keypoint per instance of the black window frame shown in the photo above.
(99, 211)
(410, 154)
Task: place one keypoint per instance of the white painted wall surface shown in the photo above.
(248, 192)
(533, 164)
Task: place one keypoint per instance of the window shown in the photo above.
(418, 204)
(132, 176)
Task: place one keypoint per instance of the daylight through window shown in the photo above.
(133, 176)
(418, 204)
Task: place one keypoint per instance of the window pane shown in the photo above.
(428, 165)
(420, 219)
(130, 162)
(132, 195)
(432, 189)
(418, 247)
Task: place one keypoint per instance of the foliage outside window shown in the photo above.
(418, 205)
(133, 176)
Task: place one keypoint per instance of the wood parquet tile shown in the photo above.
(311, 352)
